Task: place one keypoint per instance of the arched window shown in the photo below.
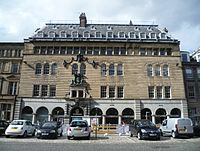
(131, 35)
(82, 69)
(149, 70)
(86, 34)
(46, 68)
(62, 34)
(103, 70)
(51, 34)
(74, 68)
(38, 68)
(165, 70)
(157, 70)
(119, 69)
(74, 34)
(111, 69)
(54, 69)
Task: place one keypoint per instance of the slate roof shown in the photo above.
(106, 32)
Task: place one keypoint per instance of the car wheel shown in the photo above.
(25, 134)
(161, 133)
(158, 138)
(139, 136)
(174, 135)
(68, 137)
(131, 135)
(7, 136)
(61, 134)
(88, 137)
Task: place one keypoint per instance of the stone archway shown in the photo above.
(127, 115)
(161, 114)
(175, 113)
(58, 114)
(146, 114)
(97, 112)
(42, 114)
(27, 113)
(76, 113)
(112, 116)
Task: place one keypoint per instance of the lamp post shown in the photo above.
(147, 115)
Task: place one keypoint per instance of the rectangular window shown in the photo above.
(159, 92)
(155, 51)
(52, 90)
(149, 51)
(89, 50)
(36, 50)
(167, 92)
(191, 91)
(12, 88)
(189, 73)
(123, 50)
(162, 51)
(76, 50)
(103, 51)
(69, 50)
(80, 94)
(116, 51)
(56, 50)
(43, 50)
(111, 91)
(74, 94)
(109, 51)
(103, 91)
(36, 90)
(96, 50)
(44, 90)
(5, 113)
(49, 50)
(14, 68)
(151, 92)
(142, 51)
(120, 91)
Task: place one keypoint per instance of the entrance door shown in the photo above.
(76, 113)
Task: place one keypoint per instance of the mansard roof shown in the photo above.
(102, 32)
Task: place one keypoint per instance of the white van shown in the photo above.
(176, 127)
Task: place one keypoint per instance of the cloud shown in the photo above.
(19, 19)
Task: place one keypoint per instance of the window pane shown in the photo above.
(82, 69)
(38, 68)
(74, 68)
(159, 92)
(103, 91)
(44, 90)
(52, 91)
(46, 68)
(157, 70)
(36, 90)
(119, 69)
(111, 69)
(120, 92)
(54, 69)
(151, 91)
(167, 92)
(165, 71)
(149, 71)
(111, 91)
(103, 70)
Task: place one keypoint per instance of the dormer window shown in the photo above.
(109, 28)
(51, 34)
(74, 34)
(93, 28)
(131, 35)
(63, 34)
(137, 28)
(40, 34)
(163, 36)
(153, 35)
(149, 28)
(98, 34)
(142, 35)
(109, 34)
(121, 35)
(86, 34)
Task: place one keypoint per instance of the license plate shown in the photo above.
(45, 134)
(78, 130)
(182, 130)
(152, 134)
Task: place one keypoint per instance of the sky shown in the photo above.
(20, 18)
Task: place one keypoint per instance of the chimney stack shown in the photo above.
(83, 20)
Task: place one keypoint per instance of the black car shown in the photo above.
(50, 130)
(3, 126)
(196, 129)
(144, 129)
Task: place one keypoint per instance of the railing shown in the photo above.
(106, 128)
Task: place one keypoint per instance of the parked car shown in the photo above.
(144, 129)
(3, 126)
(196, 129)
(176, 127)
(78, 128)
(20, 128)
(50, 129)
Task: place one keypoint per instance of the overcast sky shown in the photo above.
(20, 18)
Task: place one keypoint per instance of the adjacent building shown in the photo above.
(191, 72)
(117, 72)
(10, 62)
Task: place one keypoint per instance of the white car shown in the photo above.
(20, 128)
(78, 128)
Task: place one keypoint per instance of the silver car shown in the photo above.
(78, 128)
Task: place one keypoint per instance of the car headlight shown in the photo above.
(52, 131)
(143, 131)
(38, 131)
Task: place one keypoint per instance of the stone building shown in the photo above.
(191, 74)
(10, 62)
(117, 72)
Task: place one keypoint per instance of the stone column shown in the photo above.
(33, 118)
(119, 120)
(154, 119)
(49, 117)
(103, 120)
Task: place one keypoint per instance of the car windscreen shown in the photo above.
(49, 125)
(17, 123)
(184, 122)
(78, 123)
(146, 123)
